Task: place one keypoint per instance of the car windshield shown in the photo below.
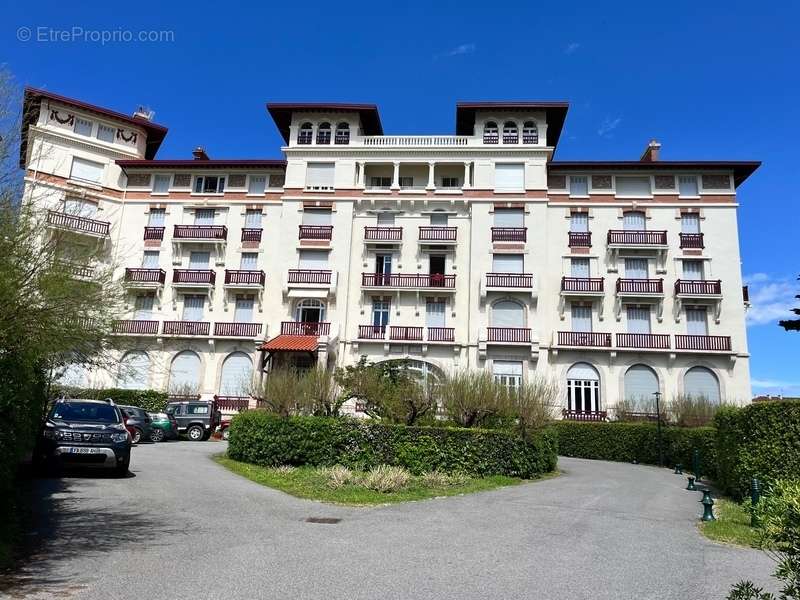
(84, 411)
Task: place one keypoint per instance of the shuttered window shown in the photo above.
(256, 184)
(638, 319)
(700, 382)
(578, 185)
(435, 313)
(507, 372)
(161, 184)
(134, 370)
(199, 260)
(204, 216)
(633, 220)
(316, 217)
(80, 208)
(633, 186)
(687, 185)
(579, 267)
(641, 383)
(439, 219)
(156, 217)
(696, 321)
(252, 219)
(385, 219)
(193, 308)
(243, 313)
(636, 268)
(693, 269)
(150, 259)
(143, 308)
(581, 318)
(86, 170)
(507, 314)
(690, 223)
(184, 373)
(509, 217)
(249, 261)
(509, 177)
(313, 259)
(507, 263)
(579, 222)
(319, 176)
(236, 375)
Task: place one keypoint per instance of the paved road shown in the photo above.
(184, 527)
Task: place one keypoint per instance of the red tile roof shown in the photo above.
(292, 343)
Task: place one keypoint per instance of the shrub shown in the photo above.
(693, 411)
(470, 398)
(532, 404)
(338, 476)
(149, 400)
(386, 478)
(264, 439)
(280, 392)
(439, 479)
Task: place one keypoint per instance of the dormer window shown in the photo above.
(306, 134)
(209, 185)
(324, 133)
(530, 133)
(510, 133)
(342, 134)
(490, 133)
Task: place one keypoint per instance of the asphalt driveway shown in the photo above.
(184, 527)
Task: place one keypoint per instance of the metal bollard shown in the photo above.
(696, 464)
(755, 496)
(678, 469)
(691, 487)
(708, 504)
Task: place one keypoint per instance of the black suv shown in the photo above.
(196, 418)
(87, 433)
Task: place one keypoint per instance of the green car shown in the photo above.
(164, 427)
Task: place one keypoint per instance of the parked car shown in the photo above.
(196, 418)
(87, 433)
(223, 427)
(138, 422)
(163, 427)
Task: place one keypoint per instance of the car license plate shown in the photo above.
(85, 450)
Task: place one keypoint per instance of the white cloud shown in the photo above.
(572, 48)
(775, 387)
(468, 48)
(608, 125)
(771, 299)
(755, 278)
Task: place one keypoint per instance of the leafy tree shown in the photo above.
(471, 398)
(792, 324)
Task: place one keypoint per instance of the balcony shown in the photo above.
(579, 415)
(703, 343)
(153, 233)
(200, 233)
(584, 339)
(509, 335)
(315, 232)
(135, 327)
(305, 328)
(237, 403)
(244, 279)
(580, 239)
(194, 277)
(77, 271)
(244, 330)
(509, 234)
(78, 224)
(441, 334)
(372, 332)
(383, 234)
(408, 281)
(576, 286)
(415, 141)
(640, 287)
(619, 237)
(310, 276)
(251, 235)
(145, 277)
(438, 234)
(415, 334)
(405, 334)
(509, 280)
(698, 287)
(692, 240)
(186, 328)
(645, 341)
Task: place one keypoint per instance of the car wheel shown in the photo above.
(195, 433)
(157, 435)
(137, 436)
(225, 434)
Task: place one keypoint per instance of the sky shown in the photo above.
(709, 80)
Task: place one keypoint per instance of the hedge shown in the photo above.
(149, 400)
(627, 442)
(262, 438)
(760, 440)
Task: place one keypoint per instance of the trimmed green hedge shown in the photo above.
(626, 442)
(760, 440)
(149, 400)
(262, 438)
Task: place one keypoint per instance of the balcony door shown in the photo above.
(633, 221)
(380, 313)
(696, 321)
(435, 313)
(249, 261)
(193, 308)
(507, 263)
(310, 311)
(204, 216)
(439, 219)
(156, 217)
(580, 268)
(638, 319)
(581, 318)
(199, 260)
(579, 222)
(243, 313)
(583, 388)
(509, 217)
(80, 208)
(143, 308)
(150, 259)
(693, 269)
(313, 259)
(690, 223)
(508, 314)
(385, 219)
(636, 268)
(316, 217)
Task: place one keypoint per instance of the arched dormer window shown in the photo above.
(510, 133)
(324, 133)
(490, 133)
(306, 134)
(342, 134)
(530, 133)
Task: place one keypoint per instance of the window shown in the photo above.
(199, 260)
(80, 208)
(633, 186)
(641, 384)
(319, 176)
(82, 126)
(386, 219)
(313, 216)
(193, 308)
(143, 308)
(450, 182)
(156, 217)
(380, 183)
(204, 216)
(507, 373)
(305, 134)
(693, 269)
(86, 170)
(687, 185)
(383, 263)
(249, 261)
(236, 375)
(324, 133)
(105, 133)
(243, 313)
(583, 388)
(638, 319)
(150, 259)
(690, 223)
(490, 133)
(310, 310)
(256, 184)
(510, 133)
(509, 217)
(579, 267)
(209, 185)
(313, 259)
(700, 382)
(507, 263)
(696, 322)
(406, 182)
(435, 313)
(579, 222)
(133, 371)
(507, 313)
(342, 134)
(161, 184)
(380, 312)
(636, 268)
(439, 219)
(197, 409)
(578, 185)
(252, 218)
(530, 133)
(509, 177)
(581, 315)
(633, 220)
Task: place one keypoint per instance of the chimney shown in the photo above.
(143, 112)
(650, 153)
(199, 153)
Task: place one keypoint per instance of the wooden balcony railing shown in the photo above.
(372, 332)
(383, 234)
(79, 224)
(145, 275)
(249, 330)
(698, 287)
(578, 415)
(582, 284)
(512, 335)
(239, 403)
(692, 240)
(315, 232)
(154, 233)
(437, 234)
(580, 239)
(509, 280)
(242, 277)
(509, 234)
(136, 327)
(198, 276)
(251, 234)
(584, 339)
(186, 327)
(200, 232)
(312, 276)
(77, 271)
(640, 286)
(305, 328)
(637, 238)
(408, 334)
(653, 341)
(441, 334)
(707, 343)
(410, 280)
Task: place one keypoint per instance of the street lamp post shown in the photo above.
(658, 429)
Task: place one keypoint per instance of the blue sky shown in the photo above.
(711, 80)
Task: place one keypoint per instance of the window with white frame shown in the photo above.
(204, 216)
(507, 373)
(450, 182)
(380, 312)
(507, 263)
(509, 177)
(324, 133)
(579, 222)
(305, 134)
(690, 223)
(256, 184)
(82, 127)
(509, 217)
(385, 219)
(510, 133)
(406, 181)
(638, 318)
(630, 186)
(252, 218)
(150, 259)
(581, 315)
(161, 184)
(583, 388)
(80, 208)
(156, 217)
(634, 220)
(578, 185)
(490, 133)
(579, 267)
(86, 170)
(696, 320)
(380, 183)
(687, 185)
(248, 261)
(530, 133)
(435, 311)
(319, 176)
(193, 307)
(243, 313)
(209, 184)
(105, 133)
(313, 259)
(317, 216)
(693, 269)
(507, 313)
(342, 133)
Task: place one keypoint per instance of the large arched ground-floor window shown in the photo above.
(701, 382)
(641, 384)
(184, 373)
(237, 373)
(583, 388)
(134, 371)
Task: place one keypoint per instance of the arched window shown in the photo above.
(134, 371)
(324, 133)
(700, 382)
(75, 375)
(633, 220)
(310, 310)
(184, 373)
(583, 389)
(641, 384)
(507, 313)
(237, 373)
(306, 134)
(510, 133)
(530, 133)
(490, 133)
(342, 133)
(425, 372)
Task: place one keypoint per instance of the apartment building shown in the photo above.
(477, 250)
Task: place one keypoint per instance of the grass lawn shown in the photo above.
(732, 525)
(315, 484)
